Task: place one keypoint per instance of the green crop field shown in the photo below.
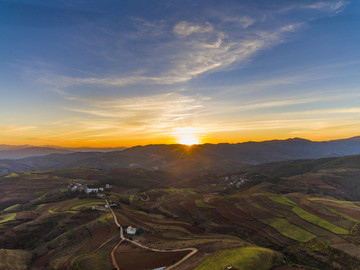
(347, 203)
(106, 219)
(40, 206)
(75, 206)
(249, 258)
(282, 200)
(13, 207)
(342, 214)
(318, 221)
(191, 191)
(6, 218)
(289, 230)
(87, 205)
(11, 175)
(180, 191)
(202, 204)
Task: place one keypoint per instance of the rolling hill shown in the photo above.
(23, 151)
(302, 214)
(187, 161)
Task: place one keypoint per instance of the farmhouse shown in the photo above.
(91, 190)
(131, 230)
(107, 186)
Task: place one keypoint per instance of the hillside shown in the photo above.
(295, 215)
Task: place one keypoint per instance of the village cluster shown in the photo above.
(81, 188)
(234, 180)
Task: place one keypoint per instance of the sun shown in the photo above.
(189, 139)
(187, 136)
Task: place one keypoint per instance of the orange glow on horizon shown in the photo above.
(181, 135)
(187, 136)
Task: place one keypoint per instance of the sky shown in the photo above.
(136, 72)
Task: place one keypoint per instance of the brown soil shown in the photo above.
(128, 257)
(99, 235)
(253, 211)
(320, 184)
(286, 267)
(320, 215)
(42, 261)
(319, 231)
(347, 211)
(189, 205)
(26, 215)
(233, 214)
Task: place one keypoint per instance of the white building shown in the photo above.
(131, 230)
(92, 190)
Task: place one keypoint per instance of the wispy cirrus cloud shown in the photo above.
(153, 74)
(185, 28)
(190, 56)
(152, 113)
(16, 128)
(178, 51)
(332, 7)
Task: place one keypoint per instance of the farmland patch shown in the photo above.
(249, 258)
(289, 230)
(318, 221)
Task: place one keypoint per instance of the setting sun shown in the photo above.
(189, 139)
(187, 136)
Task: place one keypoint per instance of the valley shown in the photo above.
(298, 215)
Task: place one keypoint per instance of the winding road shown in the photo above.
(122, 238)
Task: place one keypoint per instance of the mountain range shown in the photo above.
(189, 160)
(22, 151)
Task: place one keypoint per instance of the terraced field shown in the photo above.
(6, 218)
(318, 221)
(313, 231)
(244, 258)
(289, 230)
(74, 206)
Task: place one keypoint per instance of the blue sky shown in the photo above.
(106, 73)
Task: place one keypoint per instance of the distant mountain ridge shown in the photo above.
(23, 151)
(184, 160)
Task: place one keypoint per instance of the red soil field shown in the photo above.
(127, 257)
(42, 261)
(189, 205)
(253, 211)
(271, 233)
(319, 231)
(276, 209)
(285, 267)
(233, 214)
(140, 219)
(330, 218)
(99, 235)
(187, 227)
(348, 211)
(320, 184)
(26, 215)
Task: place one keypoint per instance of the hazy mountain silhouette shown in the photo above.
(23, 151)
(184, 160)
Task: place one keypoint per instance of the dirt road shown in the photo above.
(122, 238)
